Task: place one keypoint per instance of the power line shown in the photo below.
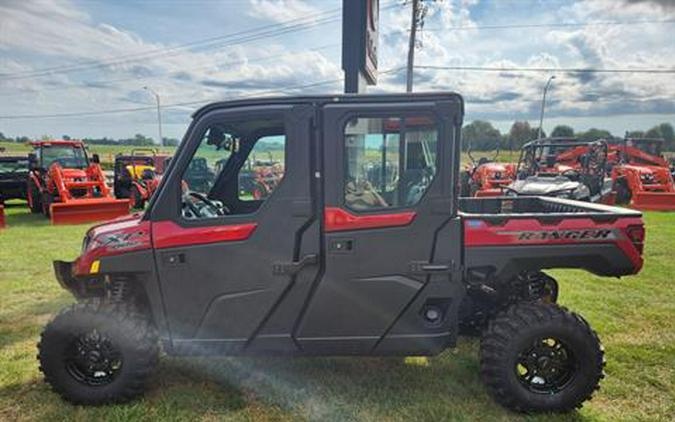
(107, 83)
(181, 104)
(294, 25)
(545, 69)
(550, 25)
(241, 40)
(266, 30)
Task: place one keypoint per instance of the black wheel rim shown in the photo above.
(546, 366)
(92, 359)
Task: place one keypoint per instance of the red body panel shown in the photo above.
(337, 219)
(167, 234)
(2, 216)
(126, 234)
(520, 231)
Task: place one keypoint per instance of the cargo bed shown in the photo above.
(504, 236)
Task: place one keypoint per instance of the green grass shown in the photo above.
(634, 317)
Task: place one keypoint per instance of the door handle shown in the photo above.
(292, 268)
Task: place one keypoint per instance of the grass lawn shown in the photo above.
(634, 317)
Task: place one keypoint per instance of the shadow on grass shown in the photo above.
(25, 322)
(323, 389)
(17, 214)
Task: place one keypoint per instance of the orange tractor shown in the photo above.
(486, 177)
(641, 175)
(137, 176)
(65, 185)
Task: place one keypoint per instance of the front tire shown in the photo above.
(97, 353)
(538, 357)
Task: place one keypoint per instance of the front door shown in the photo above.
(230, 224)
(388, 196)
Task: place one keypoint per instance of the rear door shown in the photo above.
(223, 273)
(388, 193)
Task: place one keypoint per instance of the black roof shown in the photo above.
(337, 98)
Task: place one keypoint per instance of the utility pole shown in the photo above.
(411, 45)
(159, 113)
(543, 104)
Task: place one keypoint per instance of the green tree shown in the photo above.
(594, 134)
(635, 134)
(562, 131)
(520, 133)
(665, 132)
(170, 142)
(481, 136)
(668, 134)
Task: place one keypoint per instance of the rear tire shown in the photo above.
(34, 199)
(539, 357)
(46, 203)
(97, 353)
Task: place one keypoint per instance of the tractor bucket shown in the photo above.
(79, 211)
(654, 201)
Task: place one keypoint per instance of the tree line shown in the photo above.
(138, 140)
(480, 135)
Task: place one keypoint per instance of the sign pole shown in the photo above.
(360, 21)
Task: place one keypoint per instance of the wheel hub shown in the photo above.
(546, 366)
(92, 359)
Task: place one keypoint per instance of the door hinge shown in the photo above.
(292, 268)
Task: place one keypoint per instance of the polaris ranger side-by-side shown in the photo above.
(362, 248)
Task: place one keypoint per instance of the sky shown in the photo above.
(64, 65)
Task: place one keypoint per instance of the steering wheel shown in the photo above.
(197, 211)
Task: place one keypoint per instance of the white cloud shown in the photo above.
(281, 10)
(41, 35)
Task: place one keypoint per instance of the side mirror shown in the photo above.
(32, 161)
(95, 159)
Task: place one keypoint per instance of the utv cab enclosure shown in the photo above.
(362, 248)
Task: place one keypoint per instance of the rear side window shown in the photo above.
(389, 162)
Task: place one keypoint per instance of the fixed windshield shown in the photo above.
(65, 156)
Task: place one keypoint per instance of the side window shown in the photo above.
(389, 162)
(236, 167)
(264, 168)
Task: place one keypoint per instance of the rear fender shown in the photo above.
(604, 248)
